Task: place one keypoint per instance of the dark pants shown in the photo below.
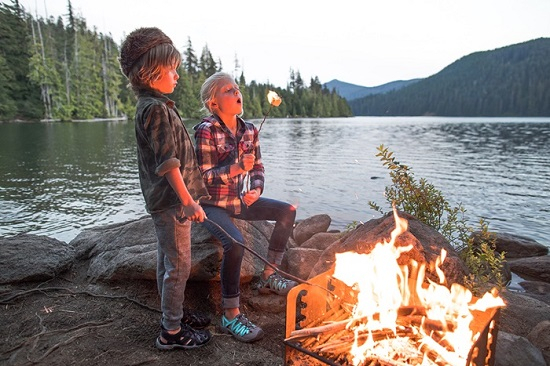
(282, 213)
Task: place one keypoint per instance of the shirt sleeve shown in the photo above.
(158, 128)
(208, 158)
(257, 177)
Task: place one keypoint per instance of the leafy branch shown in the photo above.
(422, 200)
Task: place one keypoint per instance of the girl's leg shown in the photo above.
(230, 273)
(284, 215)
(173, 263)
(232, 322)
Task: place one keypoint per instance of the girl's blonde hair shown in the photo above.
(209, 88)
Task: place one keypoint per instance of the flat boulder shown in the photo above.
(321, 241)
(514, 246)
(514, 350)
(312, 225)
(129, 250)
(537, 268)
(300, 261)
(540, 337)
(28, 257)
(521, 313)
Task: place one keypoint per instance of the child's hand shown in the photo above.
(194, 212)
(247, 162)
(251, 196)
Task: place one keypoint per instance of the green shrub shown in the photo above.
(484, 263)
(352, 226)
(422, 200)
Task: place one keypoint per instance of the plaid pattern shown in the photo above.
(217, 149)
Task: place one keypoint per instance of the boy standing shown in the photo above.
(170, 180)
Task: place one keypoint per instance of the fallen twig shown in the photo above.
(7, 300)
(56, 331)
(67, 341)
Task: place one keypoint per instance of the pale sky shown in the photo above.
(363, 42)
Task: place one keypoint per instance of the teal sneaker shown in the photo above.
(241, 328)
(276, 284)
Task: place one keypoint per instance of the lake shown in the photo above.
(57, 179)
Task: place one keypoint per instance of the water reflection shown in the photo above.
(59, 178)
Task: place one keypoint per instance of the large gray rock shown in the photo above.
(311, 226)
(93, 242)
(300, 261)
(129, 250)
(540, 337)
(119, 251)
(321, 240)
(537, 268)
(28, 257)
(427, 244)
(515, 246)
(514, 350)
(522, 313)
(536, 289)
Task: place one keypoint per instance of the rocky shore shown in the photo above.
(93, 301)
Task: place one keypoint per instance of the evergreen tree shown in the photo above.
(190, 62)
(207, 65)
(14, 49)
(43, 71)
(186, 95)
(56, 71)
(112, 77)
(8, 106)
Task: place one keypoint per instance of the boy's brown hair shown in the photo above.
(142, 55)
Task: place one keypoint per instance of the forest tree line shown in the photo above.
(509, 81)
(59, 69)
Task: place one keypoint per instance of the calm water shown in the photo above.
(57, 179)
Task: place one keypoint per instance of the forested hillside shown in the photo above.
(509, 81)
(59, 69)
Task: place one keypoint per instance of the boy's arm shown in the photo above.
(192, 210)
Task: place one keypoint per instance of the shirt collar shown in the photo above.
(155, 94)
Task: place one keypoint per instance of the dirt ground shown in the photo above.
(67, 321)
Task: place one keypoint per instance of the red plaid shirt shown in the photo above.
(217, 149)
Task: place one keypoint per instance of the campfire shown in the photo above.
(369, 310)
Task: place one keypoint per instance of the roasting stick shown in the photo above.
(281, 272)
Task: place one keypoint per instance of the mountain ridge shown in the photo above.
(508, 81)
(351, 91)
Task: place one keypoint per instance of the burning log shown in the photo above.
(409, 321)
(405, 321)
(314, 331)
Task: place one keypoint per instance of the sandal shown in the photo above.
(195, 319)
(241, 328)
(186, 338)
(275, 283)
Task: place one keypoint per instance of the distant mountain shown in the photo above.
(508, 81)
(351, 91)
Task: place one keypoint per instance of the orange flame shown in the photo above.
(383, 287)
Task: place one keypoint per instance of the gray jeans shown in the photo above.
(173, 263)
